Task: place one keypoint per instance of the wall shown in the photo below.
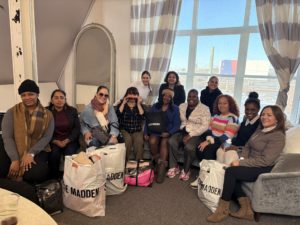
(115, 16)
(7, 95)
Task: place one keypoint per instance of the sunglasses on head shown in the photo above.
(105, 95)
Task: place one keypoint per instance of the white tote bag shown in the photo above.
(210, 182)
(114, 163)
(84, 186)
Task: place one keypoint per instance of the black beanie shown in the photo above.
(28, 85)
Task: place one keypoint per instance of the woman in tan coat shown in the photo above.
(258, 156)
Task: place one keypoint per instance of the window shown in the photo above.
(217, 37)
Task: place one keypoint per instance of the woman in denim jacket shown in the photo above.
(99, 113)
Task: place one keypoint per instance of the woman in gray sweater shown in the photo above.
(257, 157)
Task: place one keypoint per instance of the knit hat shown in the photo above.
(28, 85)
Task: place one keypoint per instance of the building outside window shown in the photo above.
(221, 37)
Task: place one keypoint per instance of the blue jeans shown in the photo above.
(55, 155)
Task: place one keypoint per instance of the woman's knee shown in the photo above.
(230, 156)
(38, 173)
(153, 140)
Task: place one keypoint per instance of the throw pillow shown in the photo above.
(292, 144)
(287, 162)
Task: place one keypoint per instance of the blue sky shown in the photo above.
(216, 14)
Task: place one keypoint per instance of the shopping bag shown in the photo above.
(84, 185)
(114, 157)
(139, 173)
(210, 182)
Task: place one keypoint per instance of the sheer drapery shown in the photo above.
(279, 26)
(153, 29)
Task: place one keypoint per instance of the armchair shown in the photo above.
(277, 192)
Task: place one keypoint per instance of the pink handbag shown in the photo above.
(139, 173)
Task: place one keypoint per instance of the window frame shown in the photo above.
(244, 31)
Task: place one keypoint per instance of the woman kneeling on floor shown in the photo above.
(257, 157)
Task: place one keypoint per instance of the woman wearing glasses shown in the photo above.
(99, 122)
(66, 131)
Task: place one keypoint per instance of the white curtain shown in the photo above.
(153, 29)
(279, 26)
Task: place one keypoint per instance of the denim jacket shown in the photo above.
(88, 120)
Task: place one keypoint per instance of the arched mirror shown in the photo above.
(94, 63)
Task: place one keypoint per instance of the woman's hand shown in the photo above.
(58, 143)
(203, 145)
(65, 142)
(105, 108)
(88, 136)
(14, 168)
(235, 163)
(125, 100)
(186, 138)
(113, 140)
(27, 161)
(231, 147)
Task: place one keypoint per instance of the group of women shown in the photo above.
(255, 144)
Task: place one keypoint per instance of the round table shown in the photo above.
(30, 213)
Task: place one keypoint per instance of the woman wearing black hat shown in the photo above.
(27, 129)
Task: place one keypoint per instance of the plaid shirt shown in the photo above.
(130, 120)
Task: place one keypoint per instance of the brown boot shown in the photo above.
(221, 213)
(245, 212)
(161, 171)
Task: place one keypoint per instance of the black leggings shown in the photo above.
(234, 176)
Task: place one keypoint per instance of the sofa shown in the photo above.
(278, 192)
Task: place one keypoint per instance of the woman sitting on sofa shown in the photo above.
(66, 130)
(130, 114)
(223, 126)
(247, 128)
(159, 140)
(98, 120)
(257, 157)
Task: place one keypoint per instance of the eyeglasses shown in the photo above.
(103, 95)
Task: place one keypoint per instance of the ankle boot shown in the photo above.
(221, 213)
(245, 212)
(161, 171)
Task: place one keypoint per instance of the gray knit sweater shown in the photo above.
(263, 148)
(9, 141)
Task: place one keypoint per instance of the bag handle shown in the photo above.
(137, 173)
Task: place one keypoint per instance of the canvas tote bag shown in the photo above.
(114, 157)
(84, 185)
(210, 182)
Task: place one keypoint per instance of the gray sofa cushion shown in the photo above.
(287, 162)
